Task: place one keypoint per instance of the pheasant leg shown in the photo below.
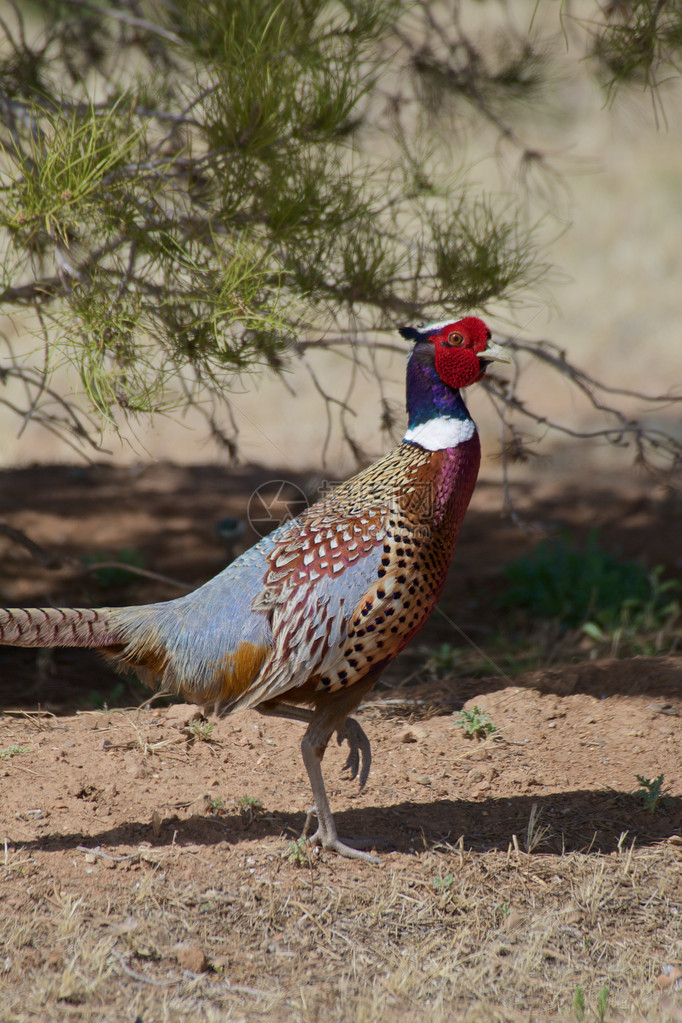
(360, 756)
(327, 718)
(326, 834)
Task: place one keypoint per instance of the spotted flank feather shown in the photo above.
(347, 591)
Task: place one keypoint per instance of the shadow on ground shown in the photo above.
(578, 821)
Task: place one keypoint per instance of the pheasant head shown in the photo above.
(462, 350)
(446, 356)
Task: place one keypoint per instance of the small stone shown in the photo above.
(191, 957)
(481, 777)
(669, 977)
(660, 707)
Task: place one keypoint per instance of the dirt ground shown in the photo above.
(150, 870)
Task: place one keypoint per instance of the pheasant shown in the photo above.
(302, 624)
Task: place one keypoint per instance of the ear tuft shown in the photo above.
(409, 333)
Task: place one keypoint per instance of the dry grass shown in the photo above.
(136, 896)
(455, 935)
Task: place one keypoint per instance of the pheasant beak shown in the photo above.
(493, 352)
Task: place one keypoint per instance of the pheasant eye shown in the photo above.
(453, 339)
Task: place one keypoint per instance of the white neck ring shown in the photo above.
(441, 432)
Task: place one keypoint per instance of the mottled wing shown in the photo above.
(343, 591)
(317, 575)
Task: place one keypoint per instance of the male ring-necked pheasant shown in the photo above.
(310, 616)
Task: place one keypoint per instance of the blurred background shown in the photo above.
(592, 168)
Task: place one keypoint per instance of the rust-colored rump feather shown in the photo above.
(236, 671)
(223, 680)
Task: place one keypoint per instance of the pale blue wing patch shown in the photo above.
(198, 643)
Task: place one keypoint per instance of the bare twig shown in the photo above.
(128, 19)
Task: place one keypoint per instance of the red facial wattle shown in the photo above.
(456, 352)
(458, 367)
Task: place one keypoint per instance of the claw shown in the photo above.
(343, 849)
(360, 756)
(352, 764)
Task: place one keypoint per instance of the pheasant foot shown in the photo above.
(327, 838)
(312, 749)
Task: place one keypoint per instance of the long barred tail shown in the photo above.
(58, 626)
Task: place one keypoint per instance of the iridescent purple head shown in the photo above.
(446, 356)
